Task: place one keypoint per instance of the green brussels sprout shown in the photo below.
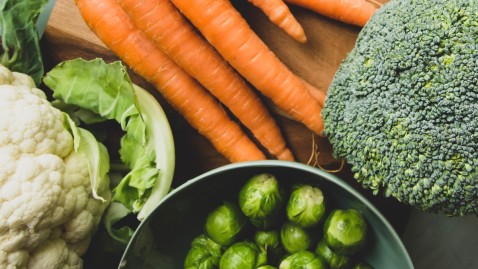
(267, 267)
(267, 239)
(260, 199)
(203, 254)
(294, 238)
(306, 206)
(302, 260)
(270, 242)
(242, 255)
(362, 265)
(225, 224)
(345, 231)
(334, 260)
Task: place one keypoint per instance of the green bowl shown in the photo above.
(163, 239)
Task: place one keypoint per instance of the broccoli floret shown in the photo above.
(402, 108)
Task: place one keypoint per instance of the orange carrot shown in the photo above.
(169, 30)
(279, 13)
(112, 25)
(225, 28)
(356, 12)
(316, 93)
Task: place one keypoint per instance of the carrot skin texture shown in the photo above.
(279, 14)
(113, 26)
(168, 29)
(225, 28)
(355, 12)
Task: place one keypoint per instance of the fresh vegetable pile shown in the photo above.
(271, 226)
(202, 61)
(403, 107)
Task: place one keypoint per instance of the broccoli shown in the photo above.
(402, 108)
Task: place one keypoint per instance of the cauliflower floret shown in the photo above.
(30, 125)
(47, 210)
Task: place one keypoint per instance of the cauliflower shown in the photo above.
(52, 193)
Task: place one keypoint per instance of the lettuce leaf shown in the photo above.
(20, 37)
(147, 145)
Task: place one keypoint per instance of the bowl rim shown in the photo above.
(286, 164)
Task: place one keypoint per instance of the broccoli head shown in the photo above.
(402, 108)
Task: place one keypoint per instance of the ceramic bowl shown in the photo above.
(163, 239)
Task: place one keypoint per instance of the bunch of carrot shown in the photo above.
(198, 72)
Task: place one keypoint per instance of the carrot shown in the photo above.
(225, 28)
(279, 13)
(316, 93)
(356, 12)
(112, 25)
(169, 30)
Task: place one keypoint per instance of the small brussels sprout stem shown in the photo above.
(260, 199)
(306, 206)
(345, 231)
(204, 253)
(302, 259)
(243, 255)
(334, 260)
(225, 224)
(294, 238)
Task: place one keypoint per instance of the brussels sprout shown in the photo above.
(302, 260)
(270, 242)
(203, 254)
(225, 224)
(334, 260)
(267, 239)
(260, 199)
(362, 265)
(267, 267)
(242, 255)
(294, 238)
(306, 206)
(345, 231)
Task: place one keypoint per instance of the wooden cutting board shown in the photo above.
(67, 37)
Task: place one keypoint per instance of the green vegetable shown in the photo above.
(266, 267)
(147, 146)
(306, 206)
(271, 243)
(242, 255)
(260, 200)
(267, 239)
(334, 260)
(20, 38)
(203, 254)
(294, 238)
(345, 231)
(402, 108)
(302, 260)
(225, 224)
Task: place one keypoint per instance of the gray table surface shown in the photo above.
(437, 241)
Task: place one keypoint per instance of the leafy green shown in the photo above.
(147, 145)
(20, 39)
(85, 143)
